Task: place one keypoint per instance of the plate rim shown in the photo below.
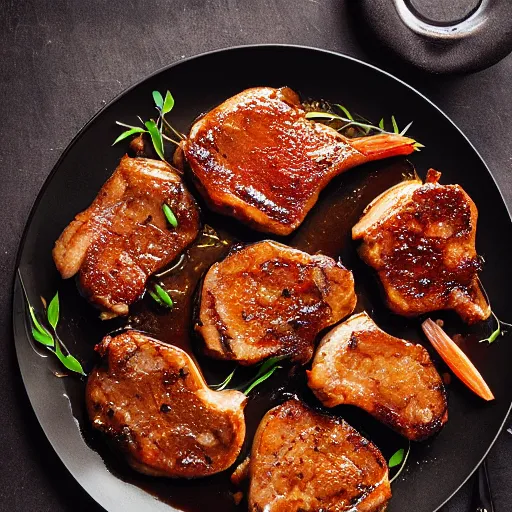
(163, 69)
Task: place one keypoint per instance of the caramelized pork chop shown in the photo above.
(359, 364)
(123, 237)
(420, 238)
(268, 299)
(305, 461)
(257, 158)
(155, 407)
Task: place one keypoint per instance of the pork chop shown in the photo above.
(420, 238)
(305, 461)
(257, 158)
(268, 299)
(123, 237)
(154, 406)
(359, 364)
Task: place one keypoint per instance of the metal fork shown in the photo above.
(482, 497)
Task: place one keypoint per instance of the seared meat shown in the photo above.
(268, 299)
(305, 461)
(123, 237)
(421, 241)
(257, 158)
(359, 364)
(155, 407)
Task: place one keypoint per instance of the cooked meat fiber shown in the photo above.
(420, 238)
(153, 404)
(305, 461)
(123, 237)
(359, 364)
(257, 158)
(268, 299)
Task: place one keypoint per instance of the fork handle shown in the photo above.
(482, 497)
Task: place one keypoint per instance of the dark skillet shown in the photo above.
(436, 468)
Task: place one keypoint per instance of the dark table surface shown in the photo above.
(61, 61)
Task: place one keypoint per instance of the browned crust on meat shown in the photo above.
(257, 158)
(420, 238)
(153, 404)
(359, 364)
(123, 237)
(268, 299)
(303, 460)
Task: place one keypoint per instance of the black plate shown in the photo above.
(436, 468)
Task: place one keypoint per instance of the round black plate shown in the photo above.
(436, 468)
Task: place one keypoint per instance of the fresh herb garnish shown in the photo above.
(399, 458)
(494, 335)
(161, 297)
(43, 335)
(497, 332)
(361, 124)
(265, 371)
(225, 382)
(169, 215)
(156, 129)
(396, 458)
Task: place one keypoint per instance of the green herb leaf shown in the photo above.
(345, 111)
(169, 215)
(395, 126)
(44, 333)
(261, 379)
(45, 339)
(70, 362)
(396, 458)
(168, 103)
(494, 335)
(53, 311)
(225, 382)
(127, 134)
(381, 124)
(156, 138)
(155, 297)
(164, 296)
(404, 131)
(159, 101)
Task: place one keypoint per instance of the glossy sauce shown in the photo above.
(326, 229)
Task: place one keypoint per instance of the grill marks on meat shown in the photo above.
(155, 407)
(123, 237)
(303, 460)
(268, 299)
(420, 238)
(359, 364)
(257, 158)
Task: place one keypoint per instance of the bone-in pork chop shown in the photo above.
(305, 461)
(420, 238)
(268, 299)
(257, 158)
(124, 237)
(154, 406)
(359, 364)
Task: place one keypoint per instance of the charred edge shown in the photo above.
(222, 329)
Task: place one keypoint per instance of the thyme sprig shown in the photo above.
(399, 458)
(44, 336)
(155, 129)
(361, 124)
